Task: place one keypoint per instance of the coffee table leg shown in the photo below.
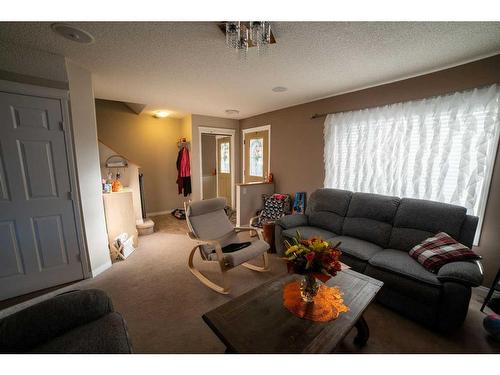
(363, 332)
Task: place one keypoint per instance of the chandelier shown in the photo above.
(242, 35)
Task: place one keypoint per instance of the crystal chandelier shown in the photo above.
(242, 35)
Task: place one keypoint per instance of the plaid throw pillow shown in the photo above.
(436, 251)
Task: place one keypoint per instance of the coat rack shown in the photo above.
(183, 143)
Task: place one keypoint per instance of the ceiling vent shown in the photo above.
(72, 33)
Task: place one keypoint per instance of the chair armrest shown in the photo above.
(258, 230)
(37, 324)
(292, 221)
(253, 220)
(244, 228)
(468, 273)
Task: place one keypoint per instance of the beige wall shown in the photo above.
(87, 165)
(297, 141)
(211, 122)
(28, 65)
(148, 142)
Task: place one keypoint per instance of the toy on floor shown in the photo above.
(179, 213)
(491, 324)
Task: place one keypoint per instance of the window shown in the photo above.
(442, 148)
(256, 157)
(224, 158)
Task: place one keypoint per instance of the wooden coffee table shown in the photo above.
(257, 321)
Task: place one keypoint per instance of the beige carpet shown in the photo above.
(163, 302)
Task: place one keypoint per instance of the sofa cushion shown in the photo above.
(291, 221)
(107, 335)
(308, 232)
(418, 219)
(401, 263)
(405, 280)
(357, 248)
(356, 264)
(327, 208)
(370, 217)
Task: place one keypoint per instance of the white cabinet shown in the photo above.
(120, 217)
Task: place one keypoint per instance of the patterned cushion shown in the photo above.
(440, 249)
(274, 209)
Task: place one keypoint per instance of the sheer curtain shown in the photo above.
(441, 148)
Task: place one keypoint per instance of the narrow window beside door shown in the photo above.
(224, 166)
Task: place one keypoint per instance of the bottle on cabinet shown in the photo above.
(116, 185)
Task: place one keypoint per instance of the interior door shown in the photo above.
(256, 162)
(224, 168)
(38, 238)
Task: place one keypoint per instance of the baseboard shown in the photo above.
(149, 214)
(101, 269)
(483, 289)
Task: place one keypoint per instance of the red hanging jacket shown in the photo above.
(185, 169)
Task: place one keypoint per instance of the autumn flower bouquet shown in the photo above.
(314, 258)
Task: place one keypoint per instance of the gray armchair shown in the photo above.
(79, 321)
(210, 227)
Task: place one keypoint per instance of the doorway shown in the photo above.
(256, 153)
(224, 167)
(217, 177)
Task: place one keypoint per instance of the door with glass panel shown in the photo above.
(224, 168)
(256, 152)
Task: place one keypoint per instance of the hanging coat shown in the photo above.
(183, 172)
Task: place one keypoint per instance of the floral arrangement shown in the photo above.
(313, 256)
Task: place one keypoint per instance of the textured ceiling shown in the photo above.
(186, 67)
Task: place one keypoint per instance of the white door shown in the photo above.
(38, 237)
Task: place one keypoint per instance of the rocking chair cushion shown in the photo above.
(236, 258)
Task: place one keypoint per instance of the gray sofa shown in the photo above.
(73, 322)
(377, 232)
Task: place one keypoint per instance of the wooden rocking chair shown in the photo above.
(209, 225)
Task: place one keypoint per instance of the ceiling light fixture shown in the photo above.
(161, 114)
(232, 112)
(242, 35)
(279, 89)
(72, 33)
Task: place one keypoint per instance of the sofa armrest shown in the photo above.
(468, 273)
(292, 221)
(37, 324)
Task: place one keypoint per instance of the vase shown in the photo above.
(309, 287)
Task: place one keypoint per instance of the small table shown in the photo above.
(268, 233)
(257, 321)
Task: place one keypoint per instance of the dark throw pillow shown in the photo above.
(436, 251)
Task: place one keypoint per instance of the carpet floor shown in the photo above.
(163, 302)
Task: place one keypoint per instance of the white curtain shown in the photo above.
(442, 148)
